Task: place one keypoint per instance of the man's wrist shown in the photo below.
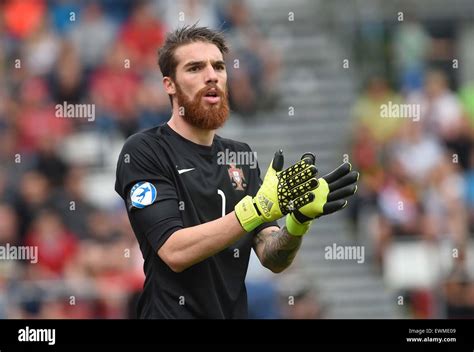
(247, 214)
(294, 227)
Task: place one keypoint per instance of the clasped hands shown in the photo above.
(298, 193)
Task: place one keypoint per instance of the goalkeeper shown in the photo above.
(196, 219)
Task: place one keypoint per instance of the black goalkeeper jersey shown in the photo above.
(169, 183)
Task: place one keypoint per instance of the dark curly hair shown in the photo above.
(183, 36)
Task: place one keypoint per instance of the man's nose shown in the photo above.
(211, 75)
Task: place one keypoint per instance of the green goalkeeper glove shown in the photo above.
(329, 198)
(280, 193)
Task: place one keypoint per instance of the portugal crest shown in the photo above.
(237, 178)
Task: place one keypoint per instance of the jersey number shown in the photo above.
(222, 194)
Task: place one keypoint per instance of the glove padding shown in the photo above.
(280, 193)
(329, 197)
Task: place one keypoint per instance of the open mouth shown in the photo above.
(212, 93)
(212, 96)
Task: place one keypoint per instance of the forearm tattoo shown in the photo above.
(279, 249)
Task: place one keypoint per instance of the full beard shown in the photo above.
(200, 114)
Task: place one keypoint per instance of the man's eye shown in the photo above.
(194, 69)
(220, 68)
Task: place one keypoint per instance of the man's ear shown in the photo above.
(169, 85)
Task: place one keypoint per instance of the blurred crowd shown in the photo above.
(417, 172)
(102, 53)
(417, 180)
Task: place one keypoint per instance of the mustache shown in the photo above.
(202, 92)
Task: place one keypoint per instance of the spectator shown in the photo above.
(24, 17)
(114, 91)
(37, 118)
(56, 245)
(64, 15)
(40, 49)
(178, 13)
(71, 204)
(367, 112)
(67, 83)
(142, 35)
(411, 44)
(417, 152)
(93, 36)
(440, 109)
(256, 64)
(33, 195)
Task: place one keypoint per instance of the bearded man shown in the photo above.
(197, 217)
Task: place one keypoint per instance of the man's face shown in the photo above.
(200, 85)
